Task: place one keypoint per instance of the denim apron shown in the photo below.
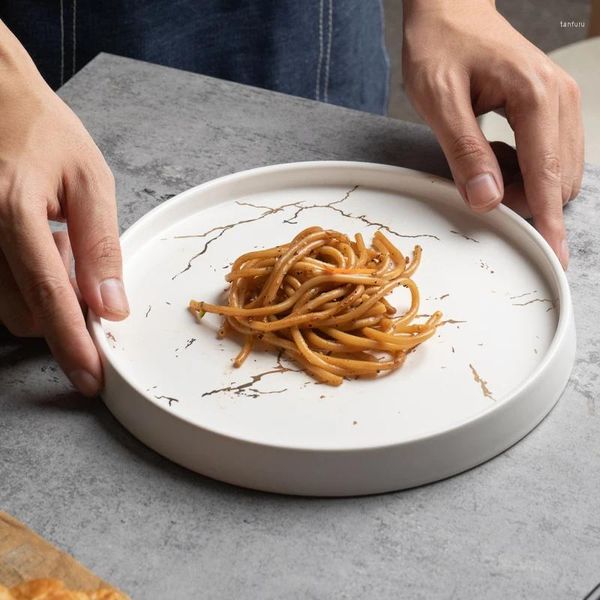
(327, 50)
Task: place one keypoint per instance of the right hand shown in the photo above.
(463, 59)
(50, 169)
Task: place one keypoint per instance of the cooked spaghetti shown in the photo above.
(321, 300)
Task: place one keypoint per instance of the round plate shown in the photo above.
(489, 375)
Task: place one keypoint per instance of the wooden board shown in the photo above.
(24, 555)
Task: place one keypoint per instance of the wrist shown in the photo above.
(15, 62)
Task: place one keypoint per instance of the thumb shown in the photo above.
(94, 234)
(472, 161)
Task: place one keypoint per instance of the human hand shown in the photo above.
(462, 59)
(50, 169)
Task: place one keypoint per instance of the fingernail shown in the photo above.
(563, 254)
(482, 191)
(113, 296)
(85, 382)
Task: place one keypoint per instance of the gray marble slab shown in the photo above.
(524, 525)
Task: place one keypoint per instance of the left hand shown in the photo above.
(462, 59)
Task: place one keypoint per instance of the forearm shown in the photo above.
(412, 7)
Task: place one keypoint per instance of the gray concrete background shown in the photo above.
(538, 20)
(525, 525)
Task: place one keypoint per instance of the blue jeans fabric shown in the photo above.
(328, 50)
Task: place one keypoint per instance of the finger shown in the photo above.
(514, 192)
(39, 272)
(473, 164)
(571, 138)
(94, 235)
(14, 313)
(63, 244)
(535, 123)
(61, 239)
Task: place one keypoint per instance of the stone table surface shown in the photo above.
(524, 525)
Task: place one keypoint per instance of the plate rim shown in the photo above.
(565, 317)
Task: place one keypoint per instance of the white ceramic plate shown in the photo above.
(484, 381)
